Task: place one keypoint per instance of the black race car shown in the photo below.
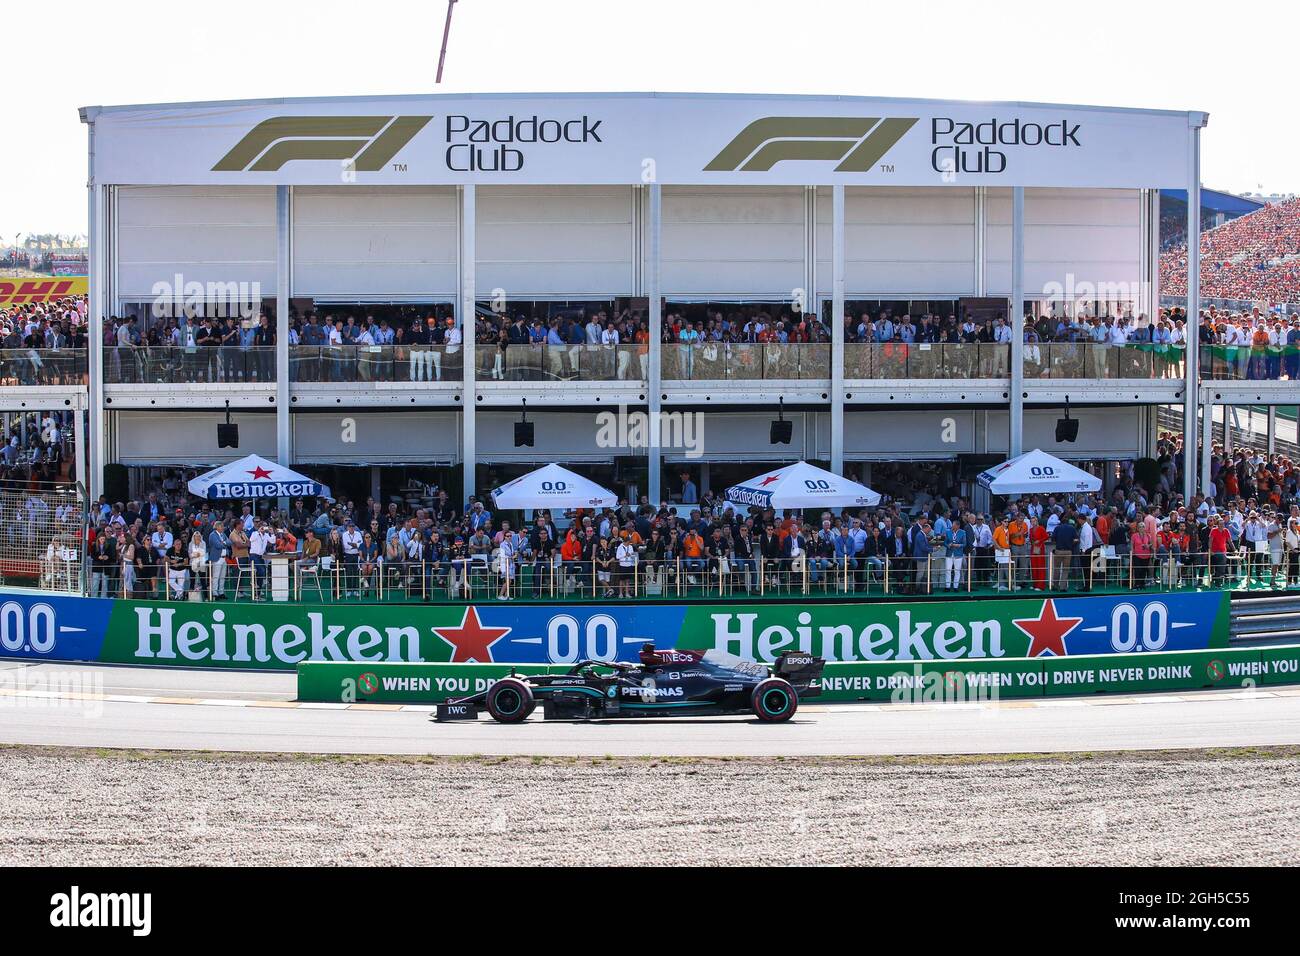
(663, 684)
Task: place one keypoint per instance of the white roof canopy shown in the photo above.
(254, 477)
(1037, 472)
(801, 485)
(553, 487)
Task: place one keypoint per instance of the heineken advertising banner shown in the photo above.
(280, 636)
(915, 682)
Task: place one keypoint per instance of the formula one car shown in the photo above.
(664, 684)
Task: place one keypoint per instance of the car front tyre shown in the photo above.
(510, 701)
(774, 700)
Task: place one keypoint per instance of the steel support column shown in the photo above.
(654, 376)
(1191, 391)
(98, 263)
(283, 274)
(1207, 443)
(1016, 418)
(837, 329)
(466, 317)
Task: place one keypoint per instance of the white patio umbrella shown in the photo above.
(801, 485)
(553, 487)
(1037, 472)
(254, 477)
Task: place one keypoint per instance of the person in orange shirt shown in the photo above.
(693, 552)
(1018, 537)
(1002, 542)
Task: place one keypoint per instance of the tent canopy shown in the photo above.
(801, 485)
(1037, 472)
(553, 487)
(254, 477)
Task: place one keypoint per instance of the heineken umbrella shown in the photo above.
(254, 477)
(553, 487)
(1037, 472)
(801, 485)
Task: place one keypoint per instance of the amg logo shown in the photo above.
(75, 909)
(857, 143)
(369, 141)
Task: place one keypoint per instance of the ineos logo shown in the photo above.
(32, 631)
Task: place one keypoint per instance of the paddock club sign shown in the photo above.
(280, 636)
(634, 139)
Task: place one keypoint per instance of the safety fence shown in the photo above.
(40, 539)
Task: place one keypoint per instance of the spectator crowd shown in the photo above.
(1140, 534)
(1253, 257)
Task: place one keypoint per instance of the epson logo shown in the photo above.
(76, 909)
(950, 136)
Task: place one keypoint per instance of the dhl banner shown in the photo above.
(23, 291)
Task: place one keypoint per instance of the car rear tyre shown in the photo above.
(774, 700)
(510, 701)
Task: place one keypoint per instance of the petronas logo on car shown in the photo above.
(855, 143)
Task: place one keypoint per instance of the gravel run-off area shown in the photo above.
(99, 807)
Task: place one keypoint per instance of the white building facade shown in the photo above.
(647, 200)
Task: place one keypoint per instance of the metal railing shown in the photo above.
(1246, 363)
(581, 363)
(188, 365)
(375, 363)
(43, 366)
(899, 360)
(335, 579)
(1091, 360)
(721, 361)
(745, 361)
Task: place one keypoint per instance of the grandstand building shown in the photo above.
(474, 209)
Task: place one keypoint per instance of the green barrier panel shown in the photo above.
(1150, 671)
(350, 683)
(1279, 665)
(920, 682)
(933, 681)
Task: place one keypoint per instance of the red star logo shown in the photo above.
(471, 641)
(768, 480)
(259, 473)
(1047, 632)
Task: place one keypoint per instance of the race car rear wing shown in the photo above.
(803, 671)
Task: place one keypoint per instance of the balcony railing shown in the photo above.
(898, 360)
(1244, 363)
(188, 365)
(745, 361)
(43, 367)
(1088, 360)
(375, 363)
(722, 361)
(563, 363)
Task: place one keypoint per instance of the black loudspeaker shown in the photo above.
(1067, 429)
(227, 436)
(523, 434)
(782, 432)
